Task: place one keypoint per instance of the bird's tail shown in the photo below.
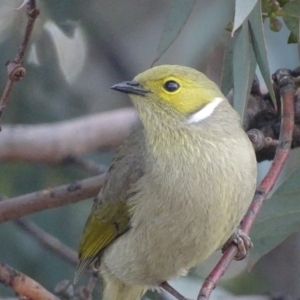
(113, 289)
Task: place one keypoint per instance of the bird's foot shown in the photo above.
(243, 243)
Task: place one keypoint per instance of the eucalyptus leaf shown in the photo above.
(280, 215)
(227, 68)
(243, 69)
(259, 47)
(71, 62)
(291, 15)
(176, 19)
(242, 10)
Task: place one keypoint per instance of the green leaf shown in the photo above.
(242, 10)
(176, 19)
(243, 69)
(259, 47)
(280, 215)
(227, 68)
(71, 62)
(291, 15)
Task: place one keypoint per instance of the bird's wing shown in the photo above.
(110, 216)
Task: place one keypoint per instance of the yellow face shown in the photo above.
(183, 88)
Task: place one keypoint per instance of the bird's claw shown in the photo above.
(243, 243)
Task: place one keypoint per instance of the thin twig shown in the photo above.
(167, 287)
(87, 164)
(287, 91)
(47, 240)
(14, 208)
(15, 70)
(23, 285)
(32, 14)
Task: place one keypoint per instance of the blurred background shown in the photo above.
(78, 50)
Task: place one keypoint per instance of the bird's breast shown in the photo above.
(185, 206)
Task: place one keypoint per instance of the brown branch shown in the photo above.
(53, 143)
(167, 287)
(14, 208)
(287, 91)
(47, 241)
(23, 285)
(15, 70)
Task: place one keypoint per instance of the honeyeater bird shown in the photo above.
(177, 188)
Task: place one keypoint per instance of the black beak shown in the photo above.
(130, 87)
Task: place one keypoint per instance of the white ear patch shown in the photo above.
(205, 112)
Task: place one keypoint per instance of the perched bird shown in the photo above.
(177, 188)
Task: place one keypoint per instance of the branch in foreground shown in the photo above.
(53, 143)
(287, 91)
(56, 142)
(47, 240)
(23, 285)
(14, 208)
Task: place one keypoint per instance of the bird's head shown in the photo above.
(172, 87)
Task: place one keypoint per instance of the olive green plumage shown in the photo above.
(177, 188)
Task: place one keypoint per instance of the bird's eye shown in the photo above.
(171, 86)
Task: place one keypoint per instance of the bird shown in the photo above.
(177, 188)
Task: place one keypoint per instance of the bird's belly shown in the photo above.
(163, 244)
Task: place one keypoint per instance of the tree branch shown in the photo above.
(48, 241)
(53, 143)
(23, 285)
(14, 208)
(15, 70)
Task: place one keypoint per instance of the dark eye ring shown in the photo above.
(171, 86)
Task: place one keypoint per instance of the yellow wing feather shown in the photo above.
(102, 227)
